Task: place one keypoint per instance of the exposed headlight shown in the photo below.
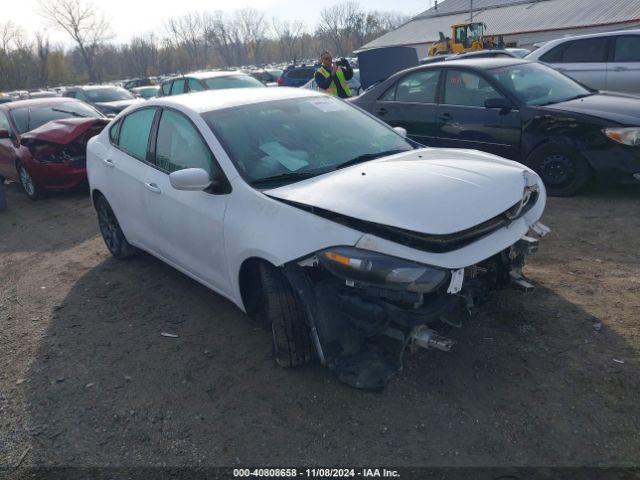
(626, 136)
(382, 270)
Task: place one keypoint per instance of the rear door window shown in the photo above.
(589, 50)
(627, 49)
(4, 122)
(418, 87)
(134, 132)
(178, 87)
(195, 85)
(166, 88)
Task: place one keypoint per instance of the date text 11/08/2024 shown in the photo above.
(316, 473)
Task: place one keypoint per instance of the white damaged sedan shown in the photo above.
(348, 240)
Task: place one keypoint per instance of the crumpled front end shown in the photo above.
(58, 151)
(366, 307)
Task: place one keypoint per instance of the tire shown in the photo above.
(33, 191)
(563, 171)
(112, 234)
(284, 312)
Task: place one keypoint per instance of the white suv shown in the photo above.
(320, 220)
(602, 61)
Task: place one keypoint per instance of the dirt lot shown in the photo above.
(545, 378)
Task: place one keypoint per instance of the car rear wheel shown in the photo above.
(563, 171)
(284, 312)
(111, 231)
(28, 185)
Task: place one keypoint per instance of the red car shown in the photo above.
(43, 143)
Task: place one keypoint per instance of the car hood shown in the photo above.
(620, 108)
(62, 131)
(432, 191)
(118, 105)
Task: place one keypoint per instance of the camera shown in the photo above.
(342, 62)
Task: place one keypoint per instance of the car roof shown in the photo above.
(145, 87)
(35, 102)
(209, 100)
(91, 87)
(552, 43)
(205, 75)
(478, 63)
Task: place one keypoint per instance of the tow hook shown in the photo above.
(424, 337)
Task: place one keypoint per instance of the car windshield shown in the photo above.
(108, 94)
(536, 84)
(286, 140)
(235, 81)
(30, 118)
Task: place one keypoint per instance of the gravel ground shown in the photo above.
(548, 378)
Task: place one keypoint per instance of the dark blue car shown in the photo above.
(296, 76)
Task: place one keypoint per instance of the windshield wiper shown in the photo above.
(286, 176)
(75, 114)
(582, 95)
(368, 156)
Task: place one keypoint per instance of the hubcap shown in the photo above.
(108, 227)
(27, 182)
(557, 170)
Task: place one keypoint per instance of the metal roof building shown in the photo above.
(522, 22)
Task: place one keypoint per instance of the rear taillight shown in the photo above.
(280, 81)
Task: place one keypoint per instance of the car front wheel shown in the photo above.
(283, 310)
(111, 231)
(563, 171)
(28, 185)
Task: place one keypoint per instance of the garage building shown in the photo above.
(521, 22)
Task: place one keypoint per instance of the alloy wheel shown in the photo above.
(108, 227)
(26, 181)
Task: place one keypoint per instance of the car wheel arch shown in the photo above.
(95, 194)
(248, 280)
(585, 172)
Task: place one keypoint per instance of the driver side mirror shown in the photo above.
(498, 103)
(190, 179)
(401, 131)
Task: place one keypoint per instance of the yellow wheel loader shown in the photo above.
(466, 37)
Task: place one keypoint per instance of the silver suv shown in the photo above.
(603, 61)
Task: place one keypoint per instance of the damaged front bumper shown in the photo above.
(365, 308)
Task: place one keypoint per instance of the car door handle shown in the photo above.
(152, 187)
(381, 111)
(108, 162)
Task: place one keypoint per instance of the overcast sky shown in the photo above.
(134, 17)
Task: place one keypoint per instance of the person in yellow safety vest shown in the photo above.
(333, 78)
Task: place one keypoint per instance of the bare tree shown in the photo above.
(10, 36)
(339, 25)
(289, 35)
(43, 49)
(88, 28)
(186, 31)
(141, 55)
(253, 28)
